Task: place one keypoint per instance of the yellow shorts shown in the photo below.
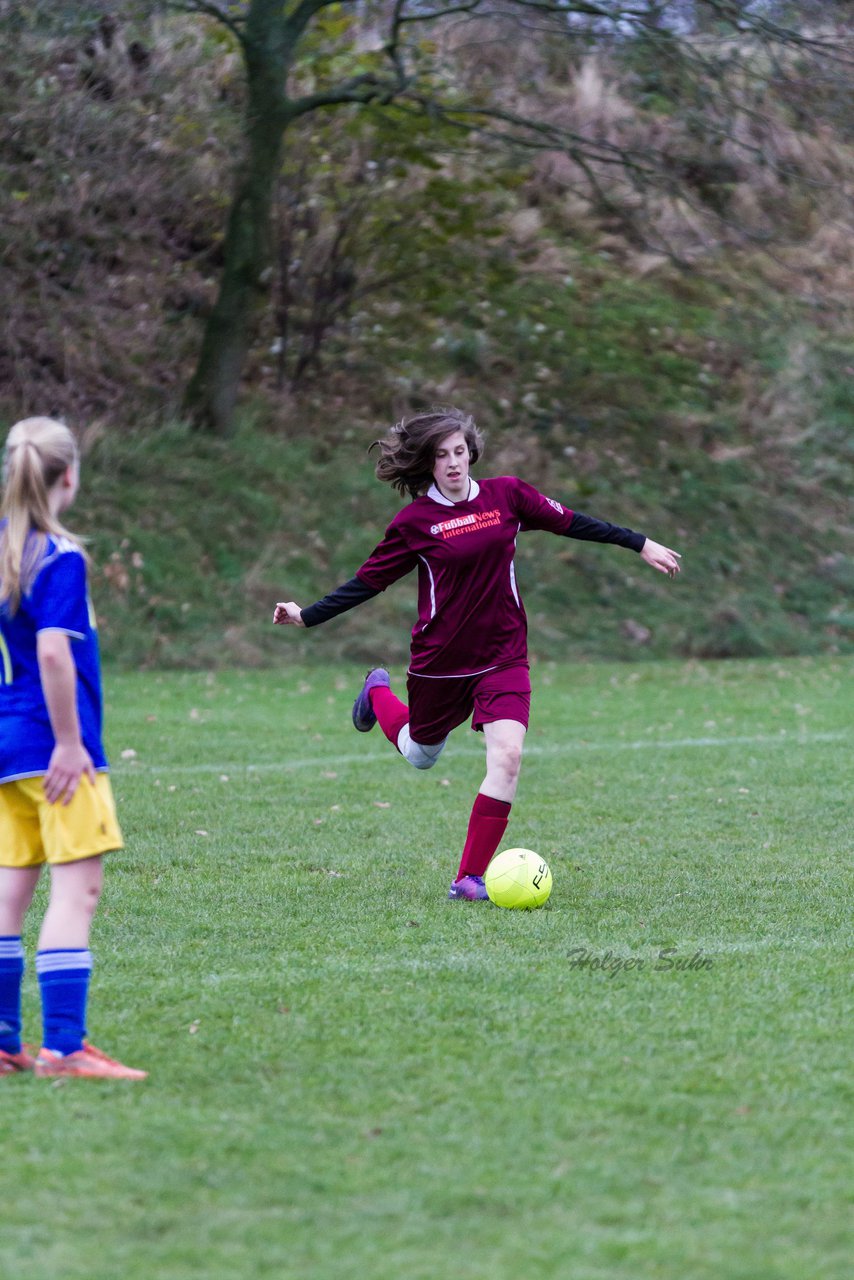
(33, 832)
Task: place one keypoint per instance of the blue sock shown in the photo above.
(64, 983)
(11, 976)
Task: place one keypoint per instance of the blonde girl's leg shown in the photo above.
(75, 888)
(64, 961)
(17, 885)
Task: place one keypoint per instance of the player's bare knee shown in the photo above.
(85, 903)
(91, 898)
(508, 761)
(81, 899)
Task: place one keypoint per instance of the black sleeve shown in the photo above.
(589, 529)
(345, 597)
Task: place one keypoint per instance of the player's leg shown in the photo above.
(491, 809)
(75, 838)
(502, 703)
(421, 755)
(75, 890)
(377, 703)
(17, 885)
(22, 857)
(505, 740)
(63, 960)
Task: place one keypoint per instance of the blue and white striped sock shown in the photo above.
(64, 983)
(11, 977)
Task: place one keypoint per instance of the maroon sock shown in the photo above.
(487, 825)
(391, 713)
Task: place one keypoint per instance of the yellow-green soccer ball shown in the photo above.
(518, 878)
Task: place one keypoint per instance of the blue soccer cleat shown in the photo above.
(470, 888)
(364, 717)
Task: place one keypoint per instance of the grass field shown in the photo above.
(352, 1077)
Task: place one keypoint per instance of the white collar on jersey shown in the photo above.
(436, 494)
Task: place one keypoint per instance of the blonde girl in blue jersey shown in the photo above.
(56, 804)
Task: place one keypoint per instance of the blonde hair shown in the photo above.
(38, 451)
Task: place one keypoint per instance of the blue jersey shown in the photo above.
(58, 600)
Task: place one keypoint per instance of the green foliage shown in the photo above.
(53, 17)
(659, 70)
(120, 228)
(348, 1071)
(368, 199)
(578, 393)
(329, 53)
(712, 412)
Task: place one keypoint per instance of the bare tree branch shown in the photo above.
(361, 89)
(234, 24)
(714, 81)
(303, 14)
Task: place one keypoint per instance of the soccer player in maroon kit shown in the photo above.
(469, 644)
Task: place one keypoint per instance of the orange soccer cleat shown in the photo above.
(12, 1062)
(87, 1063)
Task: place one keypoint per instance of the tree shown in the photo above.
(308, 56)
(363, 209)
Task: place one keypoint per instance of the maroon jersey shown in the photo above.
(470, 616)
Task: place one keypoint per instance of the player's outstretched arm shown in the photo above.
(345, 597)
(288, 614)
(661, 558)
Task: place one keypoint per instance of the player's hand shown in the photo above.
(288, 614)
(661, 558)
(68, 763)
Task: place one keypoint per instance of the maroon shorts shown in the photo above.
(439, 704)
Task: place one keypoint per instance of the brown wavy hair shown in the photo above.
(38, 451)
(408, 449)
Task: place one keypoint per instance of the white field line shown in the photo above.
(373, 758)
